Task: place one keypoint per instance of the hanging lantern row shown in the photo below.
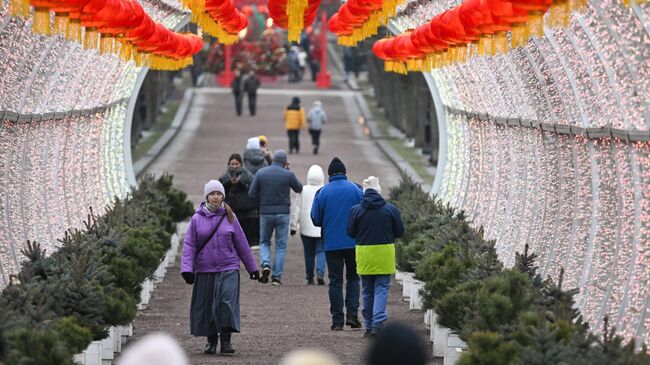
(293, 15)
(632, 3)
(357, 20)
(219, 18)
(474, 28)
(121, 27)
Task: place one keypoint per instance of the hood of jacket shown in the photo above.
(372, 200)
(253, 143)
(254, 156)
(315, 176)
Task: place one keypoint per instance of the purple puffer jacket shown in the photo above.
(224, 250)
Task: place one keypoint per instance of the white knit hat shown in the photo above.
(154, 349)
(309, 357)
(371, 183)
(212, 186)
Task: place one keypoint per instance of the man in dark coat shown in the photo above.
(272, 185)
(251, 84)
(237, 87)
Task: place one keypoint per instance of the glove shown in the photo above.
(255, 275)
(188, 277)
(293, 232)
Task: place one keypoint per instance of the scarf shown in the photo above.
(213, 208)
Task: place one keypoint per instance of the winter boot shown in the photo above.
(226, 346)
(211, 346)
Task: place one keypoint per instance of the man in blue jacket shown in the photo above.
(330, 211)
(375, 224)
(271, 185)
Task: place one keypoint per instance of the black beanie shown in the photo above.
(397, 344)
(336, 167)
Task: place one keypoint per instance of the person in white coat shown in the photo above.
(310, 234)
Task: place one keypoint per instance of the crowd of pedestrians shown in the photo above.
(347, 231)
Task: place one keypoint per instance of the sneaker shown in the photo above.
(276, 281)
(368, 334)
(337, 327)
(310, 282)
(320, 281)
(266, 272)
(353, 322)
(375, 331)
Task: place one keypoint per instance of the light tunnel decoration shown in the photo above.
(548, 145)
(65, 122)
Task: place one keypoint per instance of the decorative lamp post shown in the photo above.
(226, 77)
(323, 79)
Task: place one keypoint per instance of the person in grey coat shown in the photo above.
(316, 119)
(254, 156)
(272, 186)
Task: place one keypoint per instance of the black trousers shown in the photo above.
(252, 103)
(238, 102)
(294, 140)
(315, 137)
(251, 228)
(338, 262)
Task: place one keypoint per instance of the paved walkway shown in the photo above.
(274, 320)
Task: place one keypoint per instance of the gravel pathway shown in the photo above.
(274, 320)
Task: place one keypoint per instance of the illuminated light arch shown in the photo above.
(65, 115)
(550, 145)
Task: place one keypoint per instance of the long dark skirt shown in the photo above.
(215, 303)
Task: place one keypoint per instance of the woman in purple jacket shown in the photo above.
(214, 245)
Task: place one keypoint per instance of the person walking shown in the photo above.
(375, 224)
(294, 64)
(213, 246)
(309, 234)
(237, 87)
(294, 121)
(254, 158)
(272, 186)
(330, 211)
(316, 119)
(236, 182)
(302, 62)
(264, 146)
(251, 84)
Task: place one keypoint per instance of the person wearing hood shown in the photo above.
(330, 212)
(294, 121)
(253, 156)
(316, 118)
(309, 234)
(236, 181)
(272, 186)
(264, 146)
(374, 224)
(213, 246)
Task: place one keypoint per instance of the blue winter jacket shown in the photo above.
(331, 210)
(271, 184)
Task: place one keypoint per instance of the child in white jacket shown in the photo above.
(310, 234)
